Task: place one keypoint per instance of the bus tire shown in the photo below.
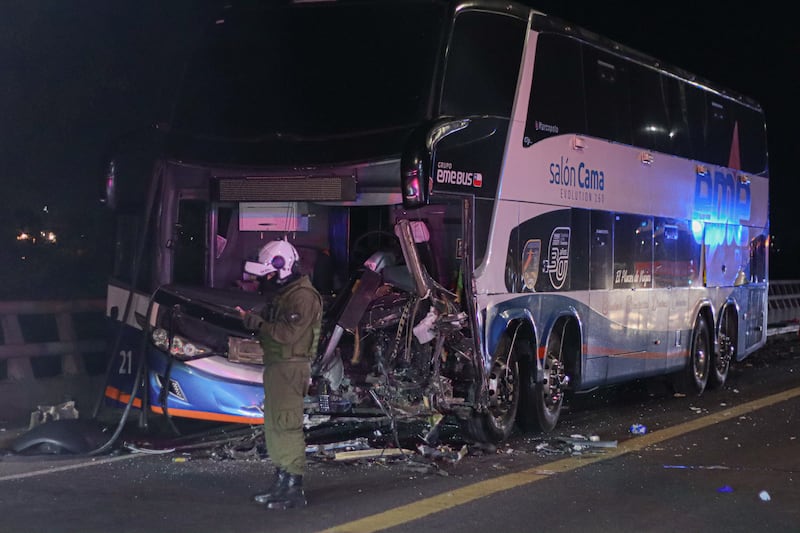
(496, 423)
(694, 377)
(726, 352)
(548, 392)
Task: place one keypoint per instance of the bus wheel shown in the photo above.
(693, 378)
(721, 362)
(496, 422)
(548, 393)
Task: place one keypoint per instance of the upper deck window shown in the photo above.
(483, 62)
(557, 104)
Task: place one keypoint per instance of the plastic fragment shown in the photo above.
(725, 488)
(764, 495)
(594, 443)
(638, 429)
(697, 467)
(443, 453)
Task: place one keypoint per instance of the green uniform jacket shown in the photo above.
(291, 331)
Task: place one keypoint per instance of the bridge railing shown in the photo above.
(50, 352)
(784, 301)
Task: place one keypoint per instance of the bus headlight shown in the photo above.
(181, 348)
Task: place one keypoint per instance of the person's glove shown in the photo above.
(252, 321)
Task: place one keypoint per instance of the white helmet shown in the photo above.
(275, 256)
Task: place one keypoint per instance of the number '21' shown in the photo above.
(126, 363)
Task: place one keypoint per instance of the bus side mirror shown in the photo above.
(415, 169)
(416, 173)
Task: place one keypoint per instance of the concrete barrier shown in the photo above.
(50, 352)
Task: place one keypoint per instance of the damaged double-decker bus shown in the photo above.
(499, 209)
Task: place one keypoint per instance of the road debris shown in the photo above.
(697, 467)
(372, 453)
(149, 451)
(573, 445)
(638, 429)
(330, 449)
(764, 496)
(443, 453)
(49, 413)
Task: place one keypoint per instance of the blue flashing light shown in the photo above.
(697, 230)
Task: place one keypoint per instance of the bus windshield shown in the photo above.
(294, 73)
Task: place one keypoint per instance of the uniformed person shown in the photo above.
(288, 330)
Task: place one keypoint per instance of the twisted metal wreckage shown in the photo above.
(396, 345)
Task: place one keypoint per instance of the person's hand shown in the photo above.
(252, 321)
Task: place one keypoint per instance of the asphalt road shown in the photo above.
(727, 461)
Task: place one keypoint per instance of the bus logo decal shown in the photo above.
(557, 262)
(721, 198)
(531, 256)
(446, 174)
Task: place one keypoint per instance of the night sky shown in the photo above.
(79, 73)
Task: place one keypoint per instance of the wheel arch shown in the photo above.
(506, 324)
(705, 309)
(729, 306)
(567, 330)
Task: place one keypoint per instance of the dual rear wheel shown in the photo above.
(705, 367)
(516, 396)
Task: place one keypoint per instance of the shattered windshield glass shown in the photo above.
(312, 71)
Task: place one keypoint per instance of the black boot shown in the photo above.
(277, 485)
(290, 495)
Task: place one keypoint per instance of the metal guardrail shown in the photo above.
(784, 301)
(783, 314)
(50, 352)
(51, 338)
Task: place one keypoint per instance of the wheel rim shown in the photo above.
(725, 354)
(726, 350)
(503, 392)
(700, 359)
(555, 379)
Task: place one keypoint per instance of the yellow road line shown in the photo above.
(419, 509)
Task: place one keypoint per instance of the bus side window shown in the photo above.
(189, 244)
(608, 110)
(680, 141)
(600, 250)
(481, 73)
(758, 259)
(557, 101)
(651, 128)
(718, 144)
(752, 140)
(633, 252)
